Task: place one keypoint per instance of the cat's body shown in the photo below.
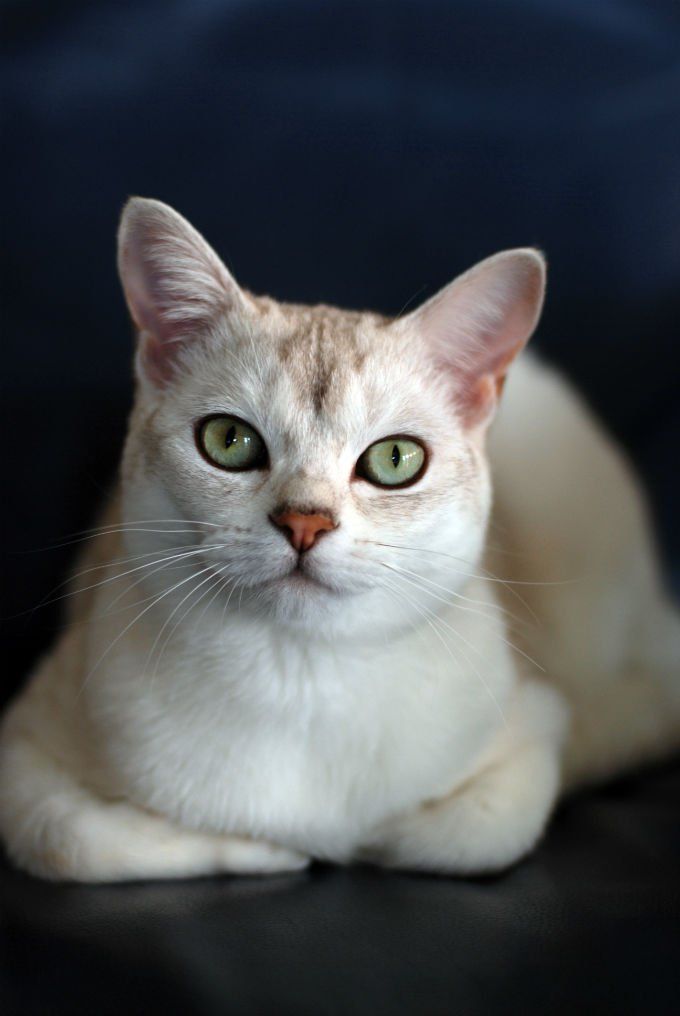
(253, 718)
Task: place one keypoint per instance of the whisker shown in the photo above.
(114, 532)
(170, 617)
(507, 642)
(119, 575)
(134, 621)
(428, 615)
(115, 561)
(504, 550)
(165, 562)
(226, 605)
(453, 592)
(505, 617)
(146, 522)
(416, 628)
(221, 584)
(411, 299)
(108, 612)
(488, 577)
(111, 528)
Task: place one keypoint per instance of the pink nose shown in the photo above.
(301, 529)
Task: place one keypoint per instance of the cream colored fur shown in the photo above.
(206, 712)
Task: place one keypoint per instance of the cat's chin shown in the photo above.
(297, 584)
(301, 581)
(295, 600)
(298, 598)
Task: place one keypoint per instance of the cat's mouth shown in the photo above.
(299, 577)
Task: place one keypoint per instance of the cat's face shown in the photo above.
(329, 464)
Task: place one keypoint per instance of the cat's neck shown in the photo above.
(261, 658)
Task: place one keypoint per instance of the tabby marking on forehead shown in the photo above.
(321, 348)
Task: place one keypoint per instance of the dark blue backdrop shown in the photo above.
(359, 153)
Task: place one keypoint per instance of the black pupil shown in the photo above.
(230, 437)
(396, 457)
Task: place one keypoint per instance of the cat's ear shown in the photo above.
(174, 283)
(477, 325)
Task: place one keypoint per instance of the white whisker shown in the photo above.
(168, 562)
(134, 621)
(128, 526)
(170, 617)
(110, 563)
(504, 616)
(507, 642)
(488, 577)
(120, 575)
(457, 595)
(226, 605)
(431, 617)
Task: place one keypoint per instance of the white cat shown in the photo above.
(290, 639)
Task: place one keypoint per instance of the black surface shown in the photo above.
(589, 924)
(358, 153)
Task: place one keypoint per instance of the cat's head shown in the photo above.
(331, 464)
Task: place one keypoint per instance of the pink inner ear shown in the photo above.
(478, 324)
(154, 359)
(481, 388)
(174, 283)
(138, 282)
(476, 398)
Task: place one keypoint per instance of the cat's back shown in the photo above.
(559, 479)
(569, 533)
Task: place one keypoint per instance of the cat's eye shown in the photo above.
(231, 444)
(393, 462)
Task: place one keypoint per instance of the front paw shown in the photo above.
(488, 824)
(255, 857)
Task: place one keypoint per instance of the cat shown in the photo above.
(300, 632)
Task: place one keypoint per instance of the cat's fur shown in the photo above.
(381, 708)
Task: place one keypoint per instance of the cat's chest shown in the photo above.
(301, 756)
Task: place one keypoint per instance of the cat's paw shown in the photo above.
(256, 857)
(54, 827)
(484, 827)
(498, 815)
(113, 842)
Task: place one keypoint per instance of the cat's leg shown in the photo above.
(498, 814)
(56, 828)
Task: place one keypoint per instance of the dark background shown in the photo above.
(358, 153)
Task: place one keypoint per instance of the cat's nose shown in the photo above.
(303, 528)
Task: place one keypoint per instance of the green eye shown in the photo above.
(394, 462)
(232, 444)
